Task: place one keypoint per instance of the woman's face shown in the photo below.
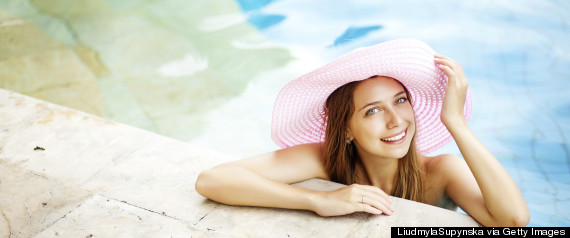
(383, 123)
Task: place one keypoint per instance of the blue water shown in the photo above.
(515, 56)
(353, 33)
(262, 21)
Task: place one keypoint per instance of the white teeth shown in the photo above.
(395, 138)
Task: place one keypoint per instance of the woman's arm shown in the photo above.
(498, 201)
(264, 181)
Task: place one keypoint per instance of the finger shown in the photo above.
(440, 56)
(455, 77)
(364, 189)
(447, 70)
(376, 197)
(452, 64)
(380, 204)
(369, 209)
(447, 62)
(377, 191)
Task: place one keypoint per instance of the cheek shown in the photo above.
(408, 113)
(409, 116)
(360, 129)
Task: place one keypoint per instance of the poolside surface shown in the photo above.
(207, 72)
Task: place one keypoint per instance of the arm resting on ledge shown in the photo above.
(265, 180)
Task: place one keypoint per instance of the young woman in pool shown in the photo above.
(368, 120)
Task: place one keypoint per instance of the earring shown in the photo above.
(348, 141)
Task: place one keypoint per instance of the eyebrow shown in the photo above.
(378, 102)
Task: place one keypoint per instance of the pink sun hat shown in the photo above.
(299, 111)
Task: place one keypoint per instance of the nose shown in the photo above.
(393, 118)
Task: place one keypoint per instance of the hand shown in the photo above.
(456, 91)
(354, 198)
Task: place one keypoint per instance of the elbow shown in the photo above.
(204, 184)
(519, 219)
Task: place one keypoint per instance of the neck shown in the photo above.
(380, 172)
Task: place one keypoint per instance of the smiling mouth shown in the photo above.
(395, 138)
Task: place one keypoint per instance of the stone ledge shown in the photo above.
(65, 172)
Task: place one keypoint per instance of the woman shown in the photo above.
(367, 120)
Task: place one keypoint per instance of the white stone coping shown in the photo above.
(70, 174)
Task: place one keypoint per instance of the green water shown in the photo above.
(156, 65)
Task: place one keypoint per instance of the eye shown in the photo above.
(401, 100)
(372, 111)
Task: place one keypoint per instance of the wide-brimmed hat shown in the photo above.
(299, 112)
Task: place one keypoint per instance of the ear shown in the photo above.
(349, 135)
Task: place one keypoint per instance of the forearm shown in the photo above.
(502, 197)
(235, 185)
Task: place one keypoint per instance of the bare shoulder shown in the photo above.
(443, 160)
(444, 165)
(441, 171)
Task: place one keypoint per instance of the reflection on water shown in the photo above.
(207, 72)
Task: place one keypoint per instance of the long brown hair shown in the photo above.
(340, 157)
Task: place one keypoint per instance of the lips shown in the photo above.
(396, 138)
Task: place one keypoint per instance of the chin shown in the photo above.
(399, 155)
(399, 152)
